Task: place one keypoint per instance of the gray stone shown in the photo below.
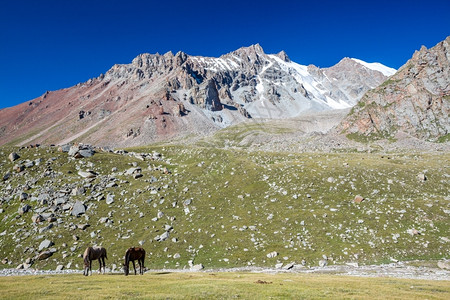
(197, 267)
(164, 236)
(59, 268)
(131, 171)
(64, 148)
(272, 254)
(83, 226)
(45, 244)
(24, 209)
(78, 209)
(323, 263)
(109, 199)
(78, 191)
(13, 156)
(37, 218)
(422, 177)
(87, 174)
(444, 265)
(6, 176)
(18, 168)
(86, 152)
(289, 266)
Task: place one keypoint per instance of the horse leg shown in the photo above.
(140, 266)
(104, 265)
(134, 267)
(90, 267)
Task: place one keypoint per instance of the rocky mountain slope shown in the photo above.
(416, 100)
(158, 97)
(191, 207)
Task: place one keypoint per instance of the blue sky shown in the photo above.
(54, 44)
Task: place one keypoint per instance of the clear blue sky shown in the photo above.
(53, 44)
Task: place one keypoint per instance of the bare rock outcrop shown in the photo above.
(416, 100)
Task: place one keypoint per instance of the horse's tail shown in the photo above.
(106, 256)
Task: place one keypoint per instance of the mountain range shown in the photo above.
(160, 97)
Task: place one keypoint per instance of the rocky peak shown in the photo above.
(283, 56)
(251, 53)
(415, 100)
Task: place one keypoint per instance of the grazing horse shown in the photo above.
(93, 253)
(133, 254)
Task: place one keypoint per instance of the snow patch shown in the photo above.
(377, 67)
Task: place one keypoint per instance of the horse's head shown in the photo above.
(86, 268)
(126, 269)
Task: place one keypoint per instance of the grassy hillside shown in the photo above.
(241, 207)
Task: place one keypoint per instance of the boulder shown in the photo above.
(78, 208)
(109, 199)
(83, 226)
(422, 177)
(13, 156)
(272, 254)
(37, 218)
(444, 265)
(131, 171)
(44, 255)
(87, 174)
(59, 268)
(323, 263)
(85, 153)
(45, 244)
(24, 209)
(197, 267)
(73, 150)
(64, 148)
(18, 168)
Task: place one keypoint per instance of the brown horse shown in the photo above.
(133, 254)
(93, 253)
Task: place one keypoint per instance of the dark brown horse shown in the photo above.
(133, 254)
(93, 253)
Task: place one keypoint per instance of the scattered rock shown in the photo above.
(272, 254)
(358, 199)
(422, 177)
(110, 199)
(44, 255)
(24, 209)
(323, 263)
(87, 174)
(45, 244)
(197, 267)
(13, 156)
(59, 268)
(78, 208)
(444, 265)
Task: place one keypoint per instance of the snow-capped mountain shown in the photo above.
(158, 97)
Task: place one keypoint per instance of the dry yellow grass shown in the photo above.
(219, 286)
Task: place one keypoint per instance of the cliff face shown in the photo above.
(416, 100)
